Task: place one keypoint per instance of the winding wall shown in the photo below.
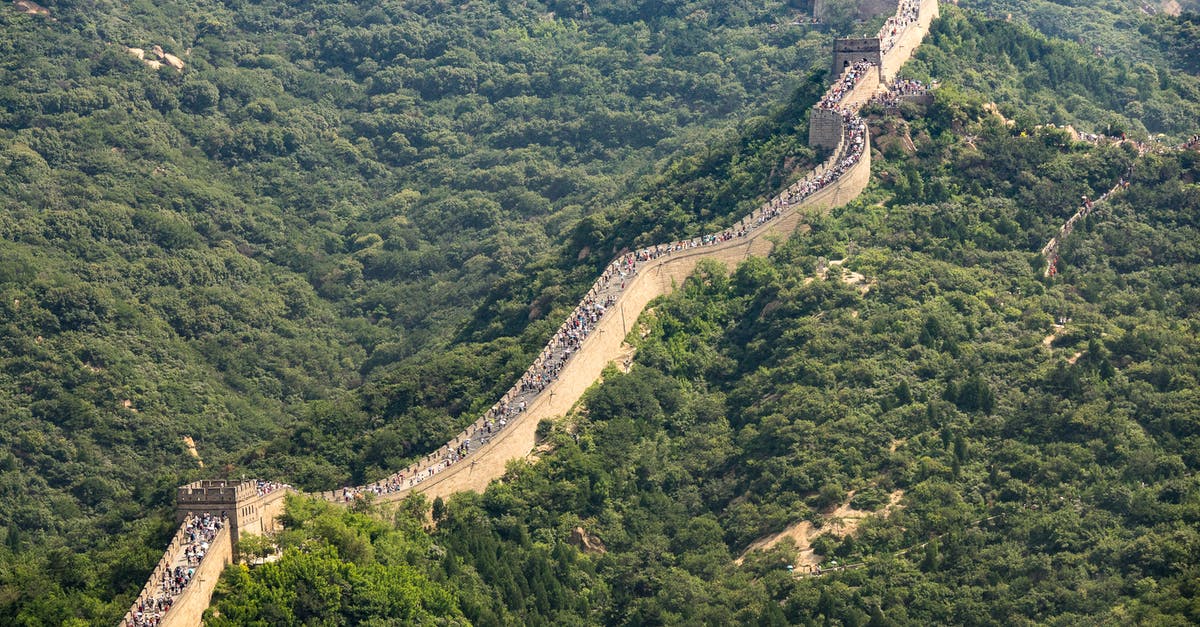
(604, 344)
(844, 176)
(653, 279)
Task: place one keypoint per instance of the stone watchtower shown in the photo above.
(250, 509)
(850, 50)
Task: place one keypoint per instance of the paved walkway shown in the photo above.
(505, 432)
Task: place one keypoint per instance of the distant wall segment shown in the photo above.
(850, 50)
(604, 344)
(444, 472)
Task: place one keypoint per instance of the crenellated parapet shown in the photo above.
(847, 51)
(213, 514)
(252, 507)
(181, 585)
(863, 65)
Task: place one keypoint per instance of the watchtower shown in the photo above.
(250, 509)
(850, 50)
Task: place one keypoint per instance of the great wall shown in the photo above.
(215, 514)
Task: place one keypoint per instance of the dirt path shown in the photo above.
(1048, 341)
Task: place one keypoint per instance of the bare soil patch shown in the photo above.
(842, 521)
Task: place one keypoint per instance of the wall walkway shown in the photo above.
(482, 451)
(590, 339)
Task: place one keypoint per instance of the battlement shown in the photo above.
(850, 50)
(216, 491)
(251, 506)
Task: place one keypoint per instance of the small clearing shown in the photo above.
(993, 109)
(850, 277)
(536, 454)
(624, 360)
(30, 8)
(155, 58)
(841, 522)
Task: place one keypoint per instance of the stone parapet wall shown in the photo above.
(850, 50)
(898, 55)
(247, 510)
(604, 344)
(824, 128)
(252, 512)
(190, 605)
(604, 341)
(168, 559)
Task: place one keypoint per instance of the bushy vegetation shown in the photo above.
(344, 229)
(1039, 80)
(1116, 29)
(1047, 474)
(279, 251)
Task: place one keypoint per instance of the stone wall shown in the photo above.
(247, 510)
(168, 559)
(912, 37)
(258, 514)
(604, 344)
(251, 512)
(850, 50)
(190, 605)
(824, 128)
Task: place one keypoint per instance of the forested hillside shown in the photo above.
(343, 229)
(1111, 28)
(1040, 436)
(278, 250)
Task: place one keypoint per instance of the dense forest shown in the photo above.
(279, 251)
(1047, 473)
(342, 229)
(1042, 436)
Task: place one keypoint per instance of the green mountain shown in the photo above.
(343, 230)
(265, 251)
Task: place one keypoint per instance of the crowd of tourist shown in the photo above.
(900, 88)
(844, 85)
(906, 13)
(264, 488)
(198, 533)
(615, 278)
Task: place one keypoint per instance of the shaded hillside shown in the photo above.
(263, 251)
